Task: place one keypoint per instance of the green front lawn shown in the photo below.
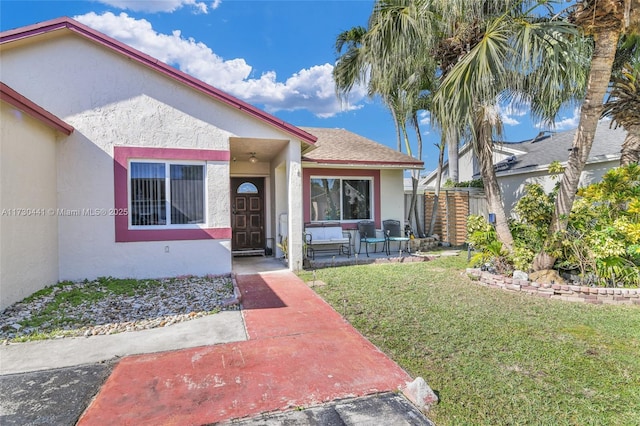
(494, 357)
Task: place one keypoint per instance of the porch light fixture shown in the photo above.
(253, 159)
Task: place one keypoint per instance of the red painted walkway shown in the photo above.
(300, 353)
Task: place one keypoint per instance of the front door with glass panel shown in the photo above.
(247, 214)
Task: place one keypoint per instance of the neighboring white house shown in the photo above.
(520, 163)
(116, 164)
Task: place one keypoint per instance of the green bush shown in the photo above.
(489, 253)
(606, 216)
(475, 183)
(602, 241)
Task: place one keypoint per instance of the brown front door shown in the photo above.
(247, 214)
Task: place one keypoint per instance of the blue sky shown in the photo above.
(277, 55)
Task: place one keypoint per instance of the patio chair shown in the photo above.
(393, 232)
(367, 231)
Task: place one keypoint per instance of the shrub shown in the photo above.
(490, 255)
(602, 241)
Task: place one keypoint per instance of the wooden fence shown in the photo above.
(454, 206)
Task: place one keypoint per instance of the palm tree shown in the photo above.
(623, 107)
(366, 60)
(519, 58)
(605, 21)
(484, 51)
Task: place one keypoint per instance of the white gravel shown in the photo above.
(162, 303)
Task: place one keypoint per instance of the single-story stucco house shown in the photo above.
(116, 164)
(520, 163)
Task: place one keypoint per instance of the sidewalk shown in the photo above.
(300, 353)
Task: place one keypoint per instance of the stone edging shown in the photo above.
(568, 293)
(237, 295)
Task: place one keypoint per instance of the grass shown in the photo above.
(494, 357)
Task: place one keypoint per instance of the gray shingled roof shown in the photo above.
(342, 147)
(541, 151)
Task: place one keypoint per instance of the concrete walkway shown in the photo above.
(223, 327)
(287, 349)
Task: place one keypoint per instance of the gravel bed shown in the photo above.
(161, 303)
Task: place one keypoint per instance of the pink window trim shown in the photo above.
(121, 157)
(306, 191)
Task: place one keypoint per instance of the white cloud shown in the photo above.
(509, 111)
(153, 6)
(424, 118)
(565, 122)
(509, 121)
(310, 88)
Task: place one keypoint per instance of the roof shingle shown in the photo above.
(555, 147)
(342, 147)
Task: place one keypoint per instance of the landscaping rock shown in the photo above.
(520, 275)
(547, 276)
(168, 302)
(421, 394)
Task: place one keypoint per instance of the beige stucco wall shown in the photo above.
(392, 195)
(113, 101)
(465, 167)
(28, 224)
(287, 202)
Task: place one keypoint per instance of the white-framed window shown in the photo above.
(166, 194)
(341, 198)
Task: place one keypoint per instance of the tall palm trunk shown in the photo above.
(454, 173)
(415, 175)
(416, 126)
(630, 152)
(484, 151)
(396, 124)
(602, 58)
(436, 196)
(414, 179)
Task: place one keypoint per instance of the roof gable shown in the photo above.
(25, 34)
(342, 147)
(543, 150)
(537, 153)
(34, 110)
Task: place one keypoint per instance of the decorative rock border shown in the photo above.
(566, 292)
(423, 244)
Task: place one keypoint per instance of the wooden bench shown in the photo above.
(326, 237)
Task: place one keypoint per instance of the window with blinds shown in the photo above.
(165, 193)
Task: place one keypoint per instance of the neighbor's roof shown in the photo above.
(342, 147)
(543, 150)
(65, 23)
(34, 110)
(538, 153)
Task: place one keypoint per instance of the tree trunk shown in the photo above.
(436, 197)
(452, 141)
(419, 228)
(414, 181)
(414, 197)
(630, 152)
(484, 152)
(416, 127)
(599, 75)
(396, 123)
